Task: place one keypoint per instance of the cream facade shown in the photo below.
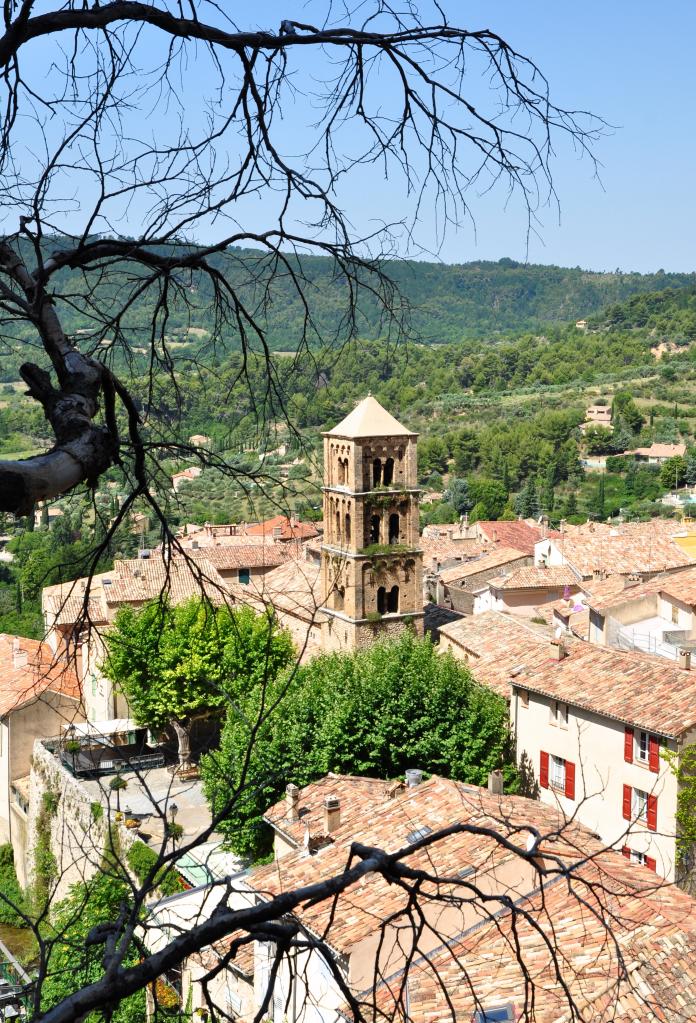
(560, 740)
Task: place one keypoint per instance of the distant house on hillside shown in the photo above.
(199, 440)
(192, 473)
(283, 529)
(597, 415)
(656, 454)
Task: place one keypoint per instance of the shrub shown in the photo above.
(141, 859)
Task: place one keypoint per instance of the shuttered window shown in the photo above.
(544, 770)
(628, 745)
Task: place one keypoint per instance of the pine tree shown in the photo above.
(600, 507)
(571, 507)
(691, 470)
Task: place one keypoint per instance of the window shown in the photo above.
(244, 576)
(415, 836)
(376, 472)
(675, 615)
(394, 528)
(347, 528)
(642, 747)
(375, 522)
(557, 773)
(393, 600)
(500, 1014)
(388, 474)
(381, 600)
(638, 857)
(639, 804)
(559, 713)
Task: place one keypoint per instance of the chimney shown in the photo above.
(558, 651)
(414, 776)
(393, 789)
(19, 657)
(684, 659)
(495, 535)
(332, 814)
(495, 783)
(292, 795)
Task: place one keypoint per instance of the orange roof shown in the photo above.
(289, 529)
(659, 451)
(28, 669)
(639, 965)
(679, 585)
(496, 558)
(640, 689)
(495, 645)
(517, 534)
(633, 547)
(435, 803)
(530, 577)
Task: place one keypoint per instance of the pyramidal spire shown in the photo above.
(369, 419)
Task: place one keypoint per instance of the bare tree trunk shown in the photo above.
(183, 735)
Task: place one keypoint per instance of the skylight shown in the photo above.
(415, 836)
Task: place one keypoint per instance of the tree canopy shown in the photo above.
(376, 712)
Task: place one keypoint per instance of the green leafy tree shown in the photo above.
(599, 440)
(177, 664)
(376, 712)
(458, 495)
(527, 501)
(690, 471)
(73, 962)
(673, 473)
(624, 408)
(489, 497)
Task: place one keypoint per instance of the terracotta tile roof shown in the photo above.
(638, 548)
(294, 588)
(659, 451)
(227, 557)
(441, 547)
(680, 585)
(640, 689)
(495, 645)
(28, 669)
(530, 577)
(517, 534)
(572, 610)
(644, 968)
(289, 530)
(142, 579)
(495, 559)
(243, 960)
(358, 796)
(435, 803)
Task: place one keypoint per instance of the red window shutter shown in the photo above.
(625, 851)
(627, 802)
(570, 780)
(650, 863)
(544, 770)
(654, 754)
(652, 812)
(628, 745)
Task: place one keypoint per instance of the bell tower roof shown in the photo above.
(369, 419)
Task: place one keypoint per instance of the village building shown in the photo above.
(657, 616)
(283, 529)
(521, 591)
(38, 696)
(657, 454)
(465, 587)
(597, 415)
(630, 548)
(375, 949)
(179, 478)
(371, 563)
(595, 724)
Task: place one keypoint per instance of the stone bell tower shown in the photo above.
(371, 563)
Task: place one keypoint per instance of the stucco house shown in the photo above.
(38, 696)
(373, 959)
(464, 587)
(522, 590)
(594, 723)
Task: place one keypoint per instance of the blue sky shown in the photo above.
(626, 60)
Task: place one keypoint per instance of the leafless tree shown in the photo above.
(140, 140)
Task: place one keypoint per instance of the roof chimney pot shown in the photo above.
(684, 659)
(495, 783)
(332, 814)
(292, 794)
(414, 776)
(558, 651)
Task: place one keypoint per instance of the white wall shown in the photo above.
(685, 617)
(596, 745)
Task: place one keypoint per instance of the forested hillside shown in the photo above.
(454, 303)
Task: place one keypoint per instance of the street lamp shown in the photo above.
(173, 811)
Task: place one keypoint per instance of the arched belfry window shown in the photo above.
(394, 528)
(338, 527)
(374, 528)
(347, 527)
(376, 472)
(381, 600)
(393, 600)
(388, 472)
(339, 598)
(341, 471)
